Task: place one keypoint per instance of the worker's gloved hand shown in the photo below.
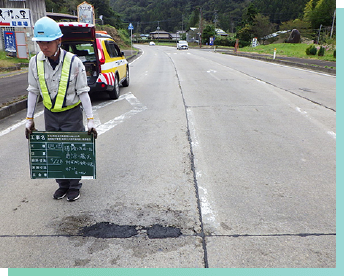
(29, 127)
(91, 128)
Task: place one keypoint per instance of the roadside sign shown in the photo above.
(62, 155)
(254, 42)
(131, 28)
(86, 13)
(211, 40)
(14, 17)
(10, 41)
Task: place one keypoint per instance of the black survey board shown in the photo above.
(62, 155)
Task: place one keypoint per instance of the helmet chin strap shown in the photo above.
(58, 48)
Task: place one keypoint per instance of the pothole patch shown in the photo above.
(161, 232)
(107, 230)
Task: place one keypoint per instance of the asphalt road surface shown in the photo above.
(206, 160)
(13, 86)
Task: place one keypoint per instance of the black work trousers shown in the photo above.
(69, 120)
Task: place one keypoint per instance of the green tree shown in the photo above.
(102, 7)
(245, 35)
(298, 24)
(194, 18)
(249, 14)
(309, 7)
(322, 14)
(302, 26)
(281, 11)
(261, 26)
(319, 12)
(51, 6)
(62, 6)
(208, 31)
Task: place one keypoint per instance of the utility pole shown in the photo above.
(182, 23)
(319, 34)
(215, 20)
(180, 37)
(158, 28)
(334, 18)
(200, 27)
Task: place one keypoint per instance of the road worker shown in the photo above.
(60, 78)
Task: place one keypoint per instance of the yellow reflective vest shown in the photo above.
(59, 105)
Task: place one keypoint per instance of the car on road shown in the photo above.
(151, 43)
(182, 45)
(105, 64)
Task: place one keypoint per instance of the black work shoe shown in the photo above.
(73, 194)
(60, 193)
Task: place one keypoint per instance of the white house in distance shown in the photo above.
(221, 32)
(192, 35)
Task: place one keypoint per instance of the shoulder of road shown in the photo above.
(307, 63)
(312, 64)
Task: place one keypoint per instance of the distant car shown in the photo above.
(182, 45)
(106, 66)
(151, 43)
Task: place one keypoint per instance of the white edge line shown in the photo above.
(15, 126)
(206, 207)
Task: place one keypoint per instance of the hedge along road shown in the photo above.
(207, 161)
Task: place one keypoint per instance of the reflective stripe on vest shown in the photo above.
(63, 84)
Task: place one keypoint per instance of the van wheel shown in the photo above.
(114, 94)
(125, 83)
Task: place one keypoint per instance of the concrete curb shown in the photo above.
(14, 68)
(20, 105)
(12, 108)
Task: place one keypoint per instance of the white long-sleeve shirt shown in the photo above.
(77, 81)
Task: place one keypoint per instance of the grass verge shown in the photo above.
(289, 50)
(6, 61)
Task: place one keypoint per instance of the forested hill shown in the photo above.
(178, 14)
(172, 15)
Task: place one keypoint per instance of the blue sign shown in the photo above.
(10, 41)
(130, 27)
(211, 40)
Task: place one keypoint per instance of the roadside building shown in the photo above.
(163, 35)
(179, 35)
(192, 35)
(175, 36)
(21, 32)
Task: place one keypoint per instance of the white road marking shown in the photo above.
(212, 73)
(304, 113)
(101, 128)
(300, 69)
(142, 53)
(15, 126)
(301, 111)
(331, 133)
(208, 213)
(137, 108)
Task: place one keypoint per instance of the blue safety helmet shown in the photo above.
(46, 29)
